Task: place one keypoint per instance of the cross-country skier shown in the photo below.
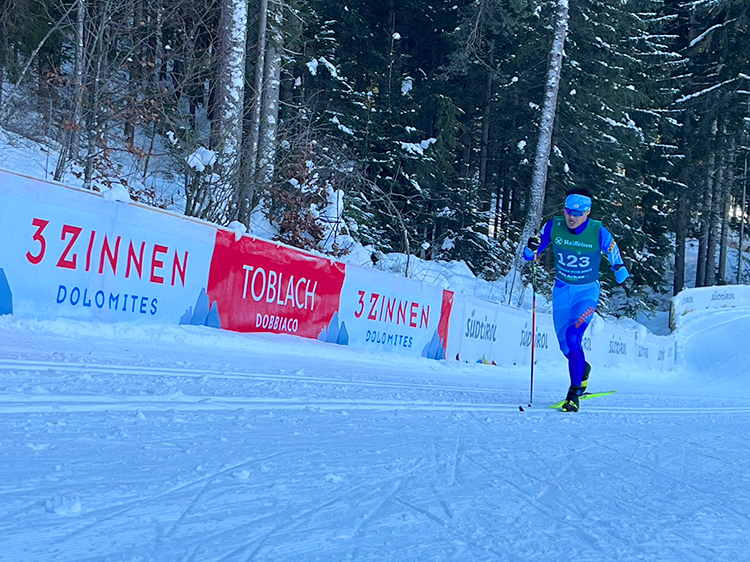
(578, 243)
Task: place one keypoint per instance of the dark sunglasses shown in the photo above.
(574, 213)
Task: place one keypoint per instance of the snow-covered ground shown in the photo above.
(165, 444)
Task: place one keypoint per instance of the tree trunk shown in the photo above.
(158, 44)
(4, 49)
(704, 257)
(251, 154)
(135, 81)
(80, 57)
(713, 231)
(94, 121)
(467, 140)
(156, 75)
(544, 147)
(391, 52)
(726, 197)
(484, 149)
(700, 272)
(72, 135)
(496, 225)
(269, 116)
(680, 239)
(231, 96)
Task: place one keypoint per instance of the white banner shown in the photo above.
(69, 252)
(702, 298)
(475, 336)
(486, 332)
(656, 353)
(610, 344)
(381, 311)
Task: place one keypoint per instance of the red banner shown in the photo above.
(445, 319)
(265, 287)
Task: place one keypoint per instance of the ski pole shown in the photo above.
(533, 327)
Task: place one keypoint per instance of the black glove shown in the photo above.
(533, 243)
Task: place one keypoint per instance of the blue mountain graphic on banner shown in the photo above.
(203, 315)
(6, 295)
(435, 349)
(335, 333)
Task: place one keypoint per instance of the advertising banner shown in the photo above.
(655, 353)
(487, 332)
(710, 297)
(546, 347)
(491, 333)
(381, 311)
(72, 253)
(610, 344)
(475, 333)
(260, 286)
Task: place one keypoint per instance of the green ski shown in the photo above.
(584, 396)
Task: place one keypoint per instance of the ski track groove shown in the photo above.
(292, 523)
(93, 368)
(27, 403)
(710, 499)
(454, 467)
(23, 510)
(187, 510)
(709, 496)
(144, 501)
(250, 555)
(219, 534)
(710, 554)
(540, 507)
(297, 519)
(455, 531)
(24, 404)
(370, 514)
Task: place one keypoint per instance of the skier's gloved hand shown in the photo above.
(621, 273)
(533, 243)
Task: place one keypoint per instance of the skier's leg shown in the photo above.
(561, 314)
(576, 356)
(576, 365)
(581, 313)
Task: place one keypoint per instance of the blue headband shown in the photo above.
(578, 202)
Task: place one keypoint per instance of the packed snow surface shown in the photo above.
(122, 442)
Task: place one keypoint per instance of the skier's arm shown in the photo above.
(528, 255)
(609, 248)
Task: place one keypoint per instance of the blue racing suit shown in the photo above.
(577, 288)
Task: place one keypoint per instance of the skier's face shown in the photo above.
(573, 221)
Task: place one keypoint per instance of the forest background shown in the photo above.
(405, 126)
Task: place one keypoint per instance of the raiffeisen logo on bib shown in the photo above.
(575, 243)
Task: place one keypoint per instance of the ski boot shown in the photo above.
(572, 400)
(586, 373)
